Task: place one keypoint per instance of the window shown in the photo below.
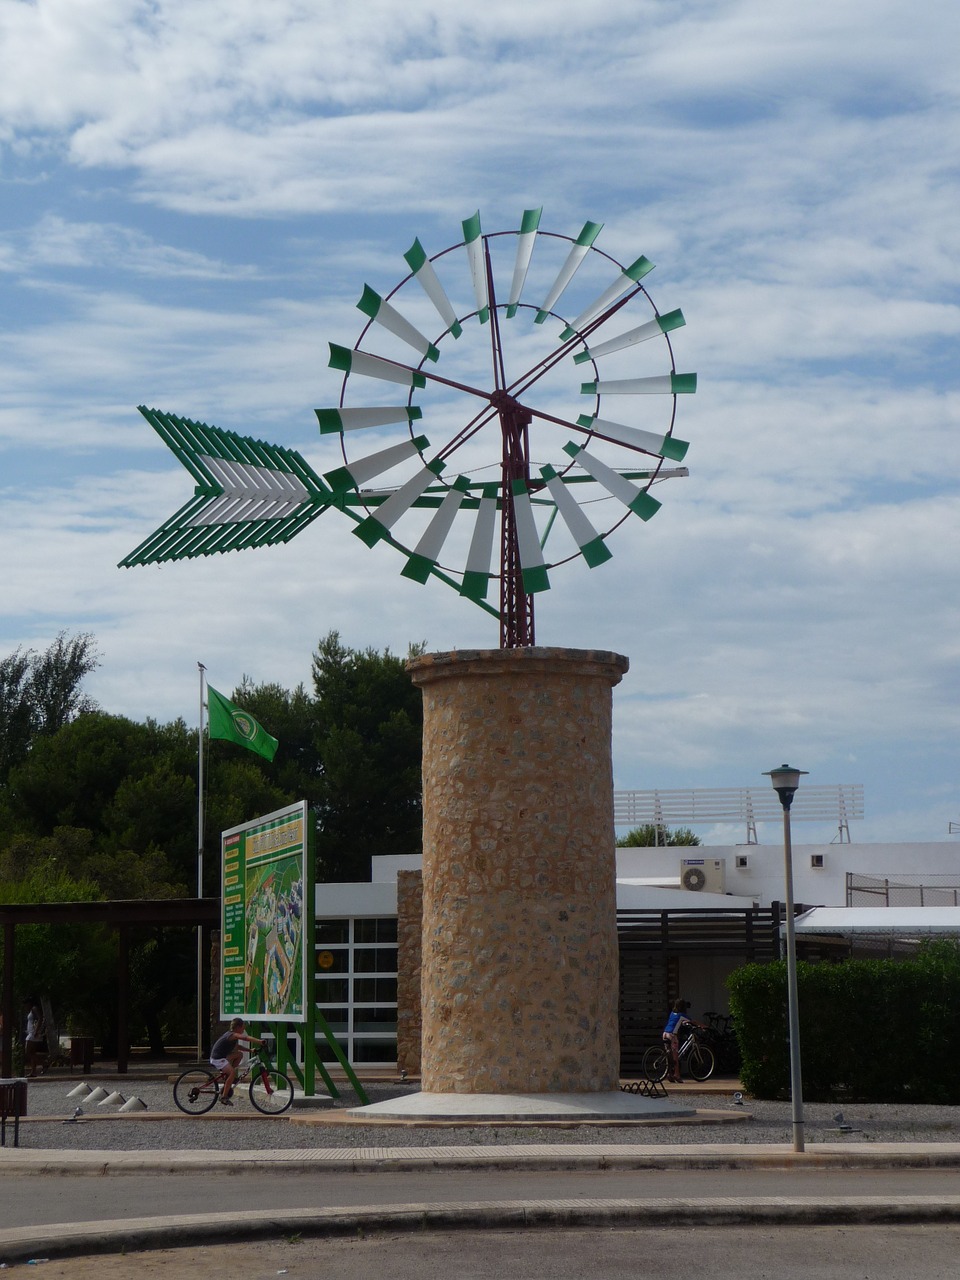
(356, 987)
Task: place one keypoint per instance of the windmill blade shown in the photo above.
(643, 333)
(337, 421)
(381, 311)
(592, 546)
(473, 238)
(577, 253)
(525, 242)
(248, 493)
(532, 564)
(634, 438)
(637, 500)
(354, 474)
(374, 527)
(626, 280)
(670, 384)
(349, 360)
(426, 553)
(477, 575)
(424, 274)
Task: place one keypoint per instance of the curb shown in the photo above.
(71, 1239)
(540, 1158)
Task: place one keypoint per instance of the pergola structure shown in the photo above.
(203, 913)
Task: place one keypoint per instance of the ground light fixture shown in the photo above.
(785, 782)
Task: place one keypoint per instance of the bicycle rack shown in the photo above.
(645, 1088)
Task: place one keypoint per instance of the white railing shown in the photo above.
(840, 804)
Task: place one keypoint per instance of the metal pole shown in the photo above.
(793, 1015)
(200, 992)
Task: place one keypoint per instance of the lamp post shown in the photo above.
(785, 782)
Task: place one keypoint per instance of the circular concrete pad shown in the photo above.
(615, 1105)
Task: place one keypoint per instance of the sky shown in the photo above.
(194, 192)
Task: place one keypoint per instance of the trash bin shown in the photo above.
(81, 1052)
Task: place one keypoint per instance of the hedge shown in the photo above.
(870, 1030)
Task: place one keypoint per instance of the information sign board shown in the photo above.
(263, 874)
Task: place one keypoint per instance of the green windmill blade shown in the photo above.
(248, 493)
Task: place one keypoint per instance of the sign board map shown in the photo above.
(263, 873)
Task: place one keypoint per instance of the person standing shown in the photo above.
(671, 1037)
(35, 1041)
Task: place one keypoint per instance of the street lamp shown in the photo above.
(785, 782)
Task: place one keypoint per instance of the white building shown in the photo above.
(674, 939)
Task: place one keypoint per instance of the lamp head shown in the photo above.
(785, 781)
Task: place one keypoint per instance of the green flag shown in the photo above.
(228, 721)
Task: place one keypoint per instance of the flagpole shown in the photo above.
(200, 992)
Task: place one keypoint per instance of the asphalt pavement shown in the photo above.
(912, 1178)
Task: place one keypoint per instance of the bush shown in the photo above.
(870, 1030)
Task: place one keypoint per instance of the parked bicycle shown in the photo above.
(695, 1058)
(198, 1088)
(721, 1037)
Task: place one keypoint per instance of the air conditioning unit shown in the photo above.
(704, 875)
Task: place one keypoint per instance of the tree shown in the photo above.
(649, 835)
(41, 692)
(368, 741)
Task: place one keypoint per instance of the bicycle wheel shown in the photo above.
(271, 1092)
(701, 1062)
(196, 1091)
(655, 1062)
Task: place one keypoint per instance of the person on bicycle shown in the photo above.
(226, 1055)
(671, 1037)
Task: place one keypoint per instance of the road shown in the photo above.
(37, 1199)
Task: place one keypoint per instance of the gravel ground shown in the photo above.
(101, 1128)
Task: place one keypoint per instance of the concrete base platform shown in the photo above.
(586, 1107)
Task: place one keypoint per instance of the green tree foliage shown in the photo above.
(97, 805)
(649, 835)
(368, 741)
(41, 692)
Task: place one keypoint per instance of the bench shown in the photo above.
(13, 1105)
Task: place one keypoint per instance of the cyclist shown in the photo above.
(671, 1039)
(226, 1055)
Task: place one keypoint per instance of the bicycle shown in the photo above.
(699, 1059)
(722, 1039)
(198, 1089)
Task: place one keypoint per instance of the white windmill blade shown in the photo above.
(626, 280)
(643, 333)
(532, 564)
(592, 546)
(476, 575)
(367, 366)
(357, 473)
(473, 238)
(525, 242)
(637, 500)
(668, 384)
(425, 276)
(385, 314)
(663, 446)
(386, 516)
(426, 553)
(578, 252)
(337, 421)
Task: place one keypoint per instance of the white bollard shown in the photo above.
(96, 1094)
(134, 1104)
(80, 1091)
(112, 1100)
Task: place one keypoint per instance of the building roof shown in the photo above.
(903, 922)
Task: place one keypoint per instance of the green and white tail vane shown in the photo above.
(486, 444)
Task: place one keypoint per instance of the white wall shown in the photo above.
(763, 878)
